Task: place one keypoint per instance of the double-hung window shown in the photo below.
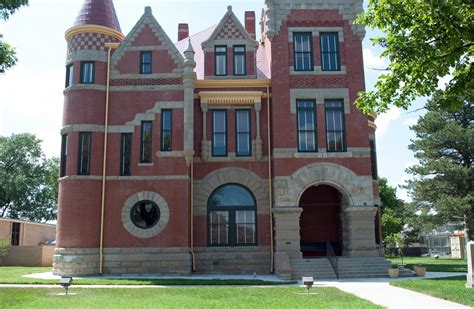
(145, 62)
(239, 60)
(87, 72)
(84, 153)
(221, 60)
(330, 51)
(335, 126)
(219, 133)
(16, 227)
(306, 118)
(303, 51)
(373, 160)
(166, 129)
(243, 133)
(125, 154)
(69, 75)
(62, 170)
(146, 142)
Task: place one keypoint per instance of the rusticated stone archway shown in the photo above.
(204, 188)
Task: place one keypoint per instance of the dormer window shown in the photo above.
(239, 60)
(221, 60)
(145, 62)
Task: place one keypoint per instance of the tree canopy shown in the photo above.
(442, 189)
(424, 41)
(28, 180)
(7, 52)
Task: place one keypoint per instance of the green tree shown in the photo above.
(393, 213)
(4, 247)
(7, 53)
(442, 188)
(424, 42)
(28, 180)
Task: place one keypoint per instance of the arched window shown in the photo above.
(232, 217)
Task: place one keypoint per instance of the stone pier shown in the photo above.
(470, 265)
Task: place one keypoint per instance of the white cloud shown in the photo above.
(372, 60)
(383, 121)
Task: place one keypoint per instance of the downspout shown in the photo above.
(104, 161)
(270, 187)
(191, 215)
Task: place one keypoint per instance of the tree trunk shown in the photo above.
(469, 227)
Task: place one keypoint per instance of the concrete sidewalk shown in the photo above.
(380, 292)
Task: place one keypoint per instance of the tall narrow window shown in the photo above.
(335, 126)
(125, 154)
(145, 62)
(221, 60)
(166, 129)
(232, 217)
(69, 75)
(87, 72)
(219, 133)
(146, 142)
(306, 118)
(84, 153)
(62, 170)
(239, 60)
(303, 51)
(242, 133)
(330, 51)
(373, 160)
(15, 234)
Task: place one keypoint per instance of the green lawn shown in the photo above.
(182, 297)
(442, 264)
(14, 275)
(452, 289)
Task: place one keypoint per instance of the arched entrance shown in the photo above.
(320, 221)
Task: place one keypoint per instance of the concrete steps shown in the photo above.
(367, 267)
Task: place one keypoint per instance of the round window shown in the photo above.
(145, 214)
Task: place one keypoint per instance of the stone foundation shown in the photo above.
(157, 261)
(233, 260)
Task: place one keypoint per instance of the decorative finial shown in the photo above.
(229, 8)
(148, 10)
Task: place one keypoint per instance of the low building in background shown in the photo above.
(32, 244)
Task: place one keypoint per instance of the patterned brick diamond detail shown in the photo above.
(230, 31)
(89, 41)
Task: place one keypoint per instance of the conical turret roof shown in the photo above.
(98, 12)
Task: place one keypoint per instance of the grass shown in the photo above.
(452, 289)
(441, 264)
(182, 297)
(14, 275)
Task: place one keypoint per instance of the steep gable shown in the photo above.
(229, 29)
(147, 34)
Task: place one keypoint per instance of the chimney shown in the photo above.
(183, 31)
(250, 23)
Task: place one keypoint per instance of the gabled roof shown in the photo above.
(229, 28)
(148, 19)
(98, 12)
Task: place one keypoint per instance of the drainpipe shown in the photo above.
(270, 187)
(110, 46)
(191, 216)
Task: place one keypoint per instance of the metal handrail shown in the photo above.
(332, 258)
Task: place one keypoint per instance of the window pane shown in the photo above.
(166, 120)
(146, 142)
(84, 153)
(246, 227)
(221, 49)
(303, 52)
(243, 144)
(64, 139)
(335, 129)
(231, 195)
(219, 227)
(126, 151)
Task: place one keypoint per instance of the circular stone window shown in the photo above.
(145, 214)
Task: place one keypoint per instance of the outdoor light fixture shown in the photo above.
(308, 281)
(65, 282)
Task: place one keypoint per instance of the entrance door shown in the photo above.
(320, 221)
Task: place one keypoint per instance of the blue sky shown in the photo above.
(32, 98)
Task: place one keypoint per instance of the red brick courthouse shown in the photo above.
(218, 153)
